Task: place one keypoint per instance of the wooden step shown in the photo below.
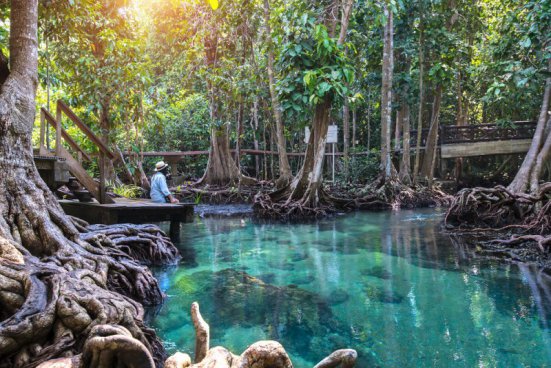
(86, 180)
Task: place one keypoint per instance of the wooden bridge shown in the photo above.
(481, 139)
(453, 142)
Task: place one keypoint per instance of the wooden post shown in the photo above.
(42, 147)
(102, 192)
(58, 118)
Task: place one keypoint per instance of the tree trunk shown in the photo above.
(284, 167)
(421, 94)
(346, 136)
(354, 128)
(54, 282)
(254, 126)
(405, 166)
(529, 173)
(221, 168)
(427, 169)
(386, 96)
(304, 195)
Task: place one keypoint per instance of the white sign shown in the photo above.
(332, 134)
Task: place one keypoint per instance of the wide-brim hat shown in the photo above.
(161, 165)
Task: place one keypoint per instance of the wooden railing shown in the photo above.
(75, 166)
(450, 134)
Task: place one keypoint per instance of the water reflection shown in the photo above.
(390, 285)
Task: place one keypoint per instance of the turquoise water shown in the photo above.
(389, 285)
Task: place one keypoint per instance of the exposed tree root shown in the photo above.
(393, 194)
(381, 195)
(511, 219)
(50, 305)
(146, 244)
(110, 346)
(212, 194)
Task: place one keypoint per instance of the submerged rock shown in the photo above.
(303, 280)
(382, 295)
(338, 296)
(377, 271)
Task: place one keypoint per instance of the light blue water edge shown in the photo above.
(391, 285)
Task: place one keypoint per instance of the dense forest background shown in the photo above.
(143, 73)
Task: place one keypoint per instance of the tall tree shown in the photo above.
(326, 53)
(284, 168)
(55, 284)
(388, 170)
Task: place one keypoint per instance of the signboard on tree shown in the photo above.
(332, 134)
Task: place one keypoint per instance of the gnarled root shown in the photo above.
(344, 358)
(262, 354)
(513, 218)
(147, 244)
(110, 346)
(49, 306)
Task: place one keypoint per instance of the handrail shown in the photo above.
(450, 134)
(49, 118)
(85, 129)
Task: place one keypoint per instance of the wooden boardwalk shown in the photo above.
(134, 211)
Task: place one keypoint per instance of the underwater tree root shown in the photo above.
(109, 345)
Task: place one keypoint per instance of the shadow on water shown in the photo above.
(389, 285)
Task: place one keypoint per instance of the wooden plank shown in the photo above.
(82, 176)
(74, 145)
(85, 129)
(485, 148)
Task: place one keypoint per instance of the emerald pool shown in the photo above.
(389, 284)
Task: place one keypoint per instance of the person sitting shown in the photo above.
(159, 189)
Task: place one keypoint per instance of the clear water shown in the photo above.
(387, 284)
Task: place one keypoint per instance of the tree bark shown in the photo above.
(284, 167)
(221, 167)
(528, 175)
(421, 93)
(346, 136)
(405, 166)
(55, 284)
(427, 170)
(386, 95)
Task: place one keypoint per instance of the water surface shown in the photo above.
(389, 285)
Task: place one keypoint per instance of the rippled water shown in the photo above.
(387, 284)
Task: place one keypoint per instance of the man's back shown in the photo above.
(159, 188)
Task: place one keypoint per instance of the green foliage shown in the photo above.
(311, 63)
(126, 190)
(363, 168)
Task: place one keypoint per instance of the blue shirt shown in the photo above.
(159, 189)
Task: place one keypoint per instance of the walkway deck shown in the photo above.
(130, 210)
